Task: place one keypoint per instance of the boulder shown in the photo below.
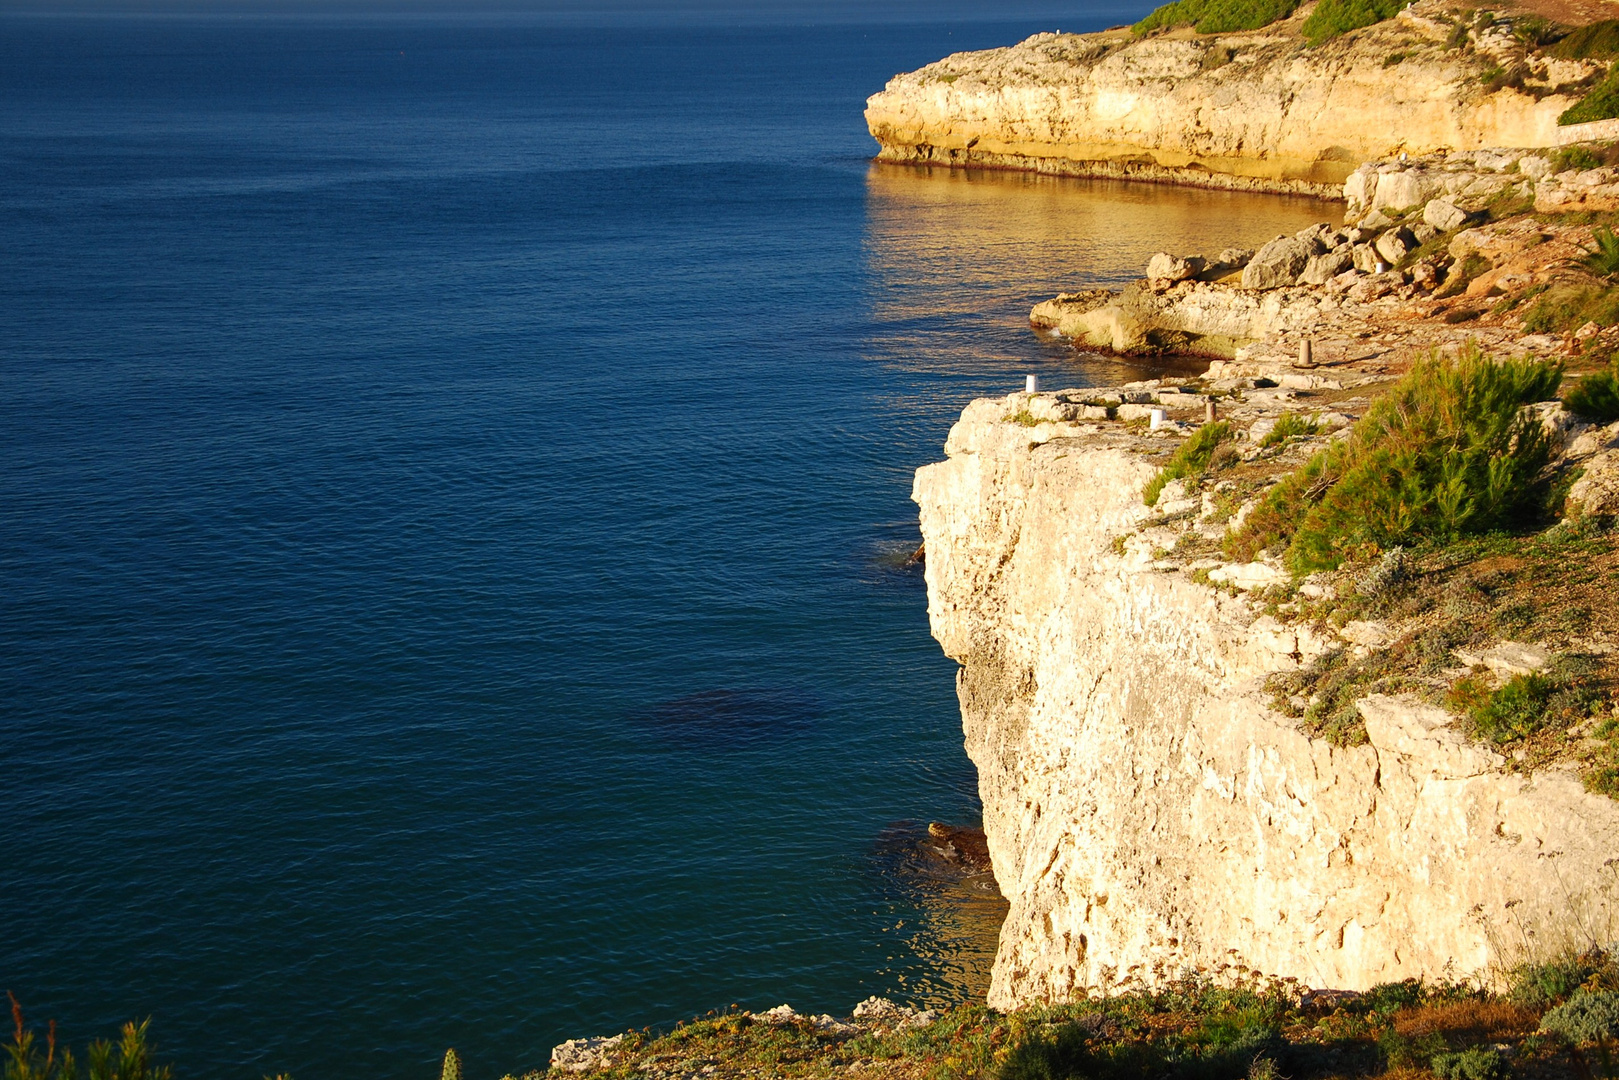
(1444, 215)
(1360, 188)
(1405, 188)
(1277, 264)
(1569, 192)
(1534, 167)
(585, 1055)
(1596, 492)
(1395, 245)
(1326, 266)
(1317, 237)
(1232, 259)
(1171, 268)
(1365, 258)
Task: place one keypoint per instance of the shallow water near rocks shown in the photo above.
(453, 581)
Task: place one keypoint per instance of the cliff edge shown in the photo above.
(1256, 110)
(1148, 808)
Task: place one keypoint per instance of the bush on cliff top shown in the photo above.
(1594, 41)
(1602, 103)
(1333, 17)
(1447, 452)
(1217, 16)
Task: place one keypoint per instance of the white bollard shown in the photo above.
(1031, 384)
(1155, 419)
(1306, 353)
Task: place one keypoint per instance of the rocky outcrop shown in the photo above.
(1147, 810)
(1253, 110)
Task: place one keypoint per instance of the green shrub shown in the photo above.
(1447, 452)
(1192, 458)
(1474, 1063)
(1217, 16)
(1540, 986)
(1600, 103)
(1574, 157)
(1594, 41)
(1289, 426)
(1388, 997)
(1333, 17)
(1588, 1018)
(1564, 694)
(1596, 397)
(1567, 307)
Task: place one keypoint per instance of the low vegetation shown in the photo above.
(1600, 103)
(1596, 396)
(1593, 41)
(1217, 16)
(28, 1058)
(1206, 449)
(1333, 17)
(1447, 452)
(1551, 1019)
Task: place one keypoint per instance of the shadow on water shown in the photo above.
(733, 718)
(943, 871)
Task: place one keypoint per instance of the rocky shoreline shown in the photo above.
(1430, 255)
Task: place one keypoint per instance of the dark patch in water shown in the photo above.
(933, 857)
(734, 717)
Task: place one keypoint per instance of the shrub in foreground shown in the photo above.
(129, 1059)
(1447, 452)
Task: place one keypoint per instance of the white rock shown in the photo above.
(781, 1014)
(1507, 659)
(585, 1055)
(1166, 267)
(1253, 575)
(1365, 632)
(1423, 736)
(1277, 264)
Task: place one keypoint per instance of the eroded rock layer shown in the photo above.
(1147, 811)
(1255, 110)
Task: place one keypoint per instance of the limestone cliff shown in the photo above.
(1147, 810)
(1255, 110)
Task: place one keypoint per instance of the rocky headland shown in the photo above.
(1255, 110)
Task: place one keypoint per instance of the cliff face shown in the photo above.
(1146, 810)
(1255, 110)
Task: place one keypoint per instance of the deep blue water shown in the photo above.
(454, 483)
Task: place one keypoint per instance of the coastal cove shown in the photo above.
(452, 583)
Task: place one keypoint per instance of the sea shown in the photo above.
(455, 579)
